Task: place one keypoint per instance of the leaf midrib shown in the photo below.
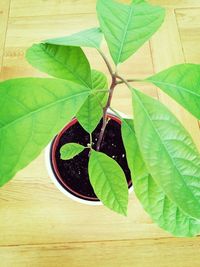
(171, 159)
(174, 86)
(66, 66)
(41, 109)
(125, 33)
(113, 191)
(146, 178)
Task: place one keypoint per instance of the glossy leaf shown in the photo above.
(92, 110)
(70, 150)
(64, 62)
(87, 38)
(32, 111)
(182, 83)
(108, 181)
(168, 152)
(161, 209)
(127, 27)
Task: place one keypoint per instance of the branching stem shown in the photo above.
(105, 110)
(114, 82)
(130, 81)
(124, 81)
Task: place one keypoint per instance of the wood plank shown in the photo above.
(177, 3)
(4, 11)
(33, 211)
(128, 253)
(189, 28)
(23, 32)
(166, 55)
(21, 8)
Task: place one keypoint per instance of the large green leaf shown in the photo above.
(64, 62)
(181, 82)
(127, 27)
(87, 38)
(70, 63)
(169, 153)
(91, 112)
(32, 111)
(161, 209)
(70, 150)
(108, 181)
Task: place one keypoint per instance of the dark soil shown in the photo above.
(74, 172)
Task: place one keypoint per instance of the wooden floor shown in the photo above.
(41, 227)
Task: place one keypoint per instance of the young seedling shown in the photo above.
(163, 159)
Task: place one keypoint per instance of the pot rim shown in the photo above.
(54, 173)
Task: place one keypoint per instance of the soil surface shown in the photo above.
(74, 172)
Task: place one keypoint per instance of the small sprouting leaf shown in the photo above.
(168, 152)
(182, 83)
(92, 110)
(32, 111)
(70, 150)
(87, 38)
(64, 62)
(127, 27)
(108, 181)
(156, 203)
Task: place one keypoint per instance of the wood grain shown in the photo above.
(177, 3)
(4, 11)
(189, 28)
(40, 226)
(169, 54)
(123, 253)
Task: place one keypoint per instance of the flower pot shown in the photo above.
(71, 177)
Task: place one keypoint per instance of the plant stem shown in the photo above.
(105, 110)
(107, 62)
(112, 87)
(91, 141)
(130, 80)
(124, 81)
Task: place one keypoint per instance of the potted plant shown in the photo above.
(101, 150)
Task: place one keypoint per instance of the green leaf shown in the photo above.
(32, 111)
(108, 181)
(138, 1)
(64, 62)
(182, 83)
(168, 152)
(156, 203)
(99, 80)
(91, 112)
(127, 27)
(70, 150)
(87, 38)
